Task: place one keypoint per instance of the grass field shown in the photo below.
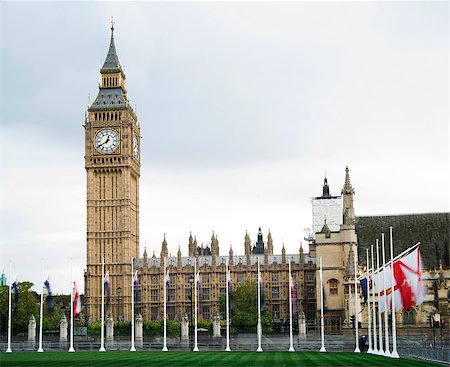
(200, 359)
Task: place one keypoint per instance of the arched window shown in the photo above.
(333, 284)
(409, 317)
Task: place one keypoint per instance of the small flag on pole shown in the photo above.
(325, 304)
(364, 287)
(136, 287)
(229, 280)
(167, 277)
(15, 288)
(76, 300)
(293, 295)
(106, 282)
(49, 294)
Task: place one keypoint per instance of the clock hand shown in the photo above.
(104, 142)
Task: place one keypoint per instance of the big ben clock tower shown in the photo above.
(112, 162)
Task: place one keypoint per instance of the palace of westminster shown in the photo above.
(112, 162)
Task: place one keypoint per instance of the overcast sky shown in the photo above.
(243, 108)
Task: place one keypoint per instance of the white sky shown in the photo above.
(243, 108)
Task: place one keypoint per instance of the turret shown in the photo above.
(348, 212)
(164, 250)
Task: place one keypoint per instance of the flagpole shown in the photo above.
(387, 353)
(356, 305)
(41, 317)
(164, 349)
(291, 346)
(394, 353)
(380, 320)
(259, 328)
(9, 350)
(102, 328)
(195, 306)
(71, 309)
(322, 348)
(227, 349)
(375, 348)
(132, 348)
(369, 329)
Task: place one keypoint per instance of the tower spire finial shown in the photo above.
(112, 26)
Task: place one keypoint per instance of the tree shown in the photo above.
(243, 308)
(27, 305)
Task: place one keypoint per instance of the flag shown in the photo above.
(76, 300)
(49, 294)
(167, 278)
(15, 288)
(229, 280)
(293, 295)
(408, 278)
(136, 285)
(408, 283)
(364, 287)
(325, 305)
(106, 284)
(198, 281)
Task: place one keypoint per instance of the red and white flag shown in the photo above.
(408, 278)
(76, 300)
(408, 283)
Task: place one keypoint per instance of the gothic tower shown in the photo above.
(112, 162)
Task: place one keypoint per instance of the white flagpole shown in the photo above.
(322, 332)
(71, 349)
(227, 349)
(41, 315)
(369, 329)
(132, 348)
(291, 346)
(259, 328)
(380, 320)
(356, 305)
(164, 349)
(9, 350)
(375, 348)
(394, 353)
(102, 327)
(387, 353)
(195, 306)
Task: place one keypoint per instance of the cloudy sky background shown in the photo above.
(243, 108)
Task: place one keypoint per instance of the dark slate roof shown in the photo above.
(432, 230)
(112, 64)
(108, 98)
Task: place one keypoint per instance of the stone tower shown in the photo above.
(112, 162)
(337, 249)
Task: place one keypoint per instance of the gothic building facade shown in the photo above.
(112, 162)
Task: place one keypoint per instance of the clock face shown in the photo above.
(106, 140)
(135, 146)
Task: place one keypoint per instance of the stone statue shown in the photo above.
(32, 329)
(63, 329)
(109, 328)
(216, 325)
(138, 330)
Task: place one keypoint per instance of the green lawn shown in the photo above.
(207, 359)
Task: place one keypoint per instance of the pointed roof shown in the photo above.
(325, 229)
(348, 188)
(111, 64)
